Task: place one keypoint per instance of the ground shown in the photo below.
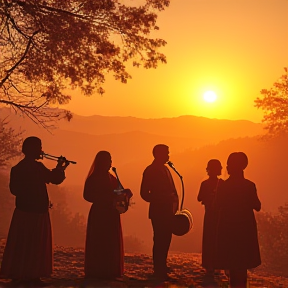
(187, 272)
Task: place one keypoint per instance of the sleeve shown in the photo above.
(145, 187)
(256, 204)
(88, 193)
(95, 191)
(57, 176)
(200, 196)
(204, 196)
(13, 184)
(54, 176)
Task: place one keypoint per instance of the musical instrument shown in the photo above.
(122, 200)
(60, 159)
(183, 220)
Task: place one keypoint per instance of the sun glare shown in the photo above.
(210, 96)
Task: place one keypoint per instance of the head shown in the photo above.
(32, 147)
(161, 153)
(214, 167)
(236, 162)
(101, 163)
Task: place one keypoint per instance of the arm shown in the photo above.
(204, 196)
(54, 176)
(88, 193)
(256, 204)
(14, 184)
(57, 176)
(200, 194)
(145, 187)
(97, 190)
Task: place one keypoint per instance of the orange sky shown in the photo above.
(234, 47)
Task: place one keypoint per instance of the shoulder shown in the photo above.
(204, 183)
(225, 183)
(112, 177)
(149, 169)
(19, 165)
(249, 183)
(90, 179)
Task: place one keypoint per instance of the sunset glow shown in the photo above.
(210, 96)
(128, 86)
(201, 57)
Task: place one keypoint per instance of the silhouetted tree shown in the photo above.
(11, 142)
(7, 204)
(273, 240)
(69, 229)
(275, 106)
(47, 45)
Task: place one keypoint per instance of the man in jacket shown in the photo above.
(158, 189)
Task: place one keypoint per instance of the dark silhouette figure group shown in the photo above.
(230, 240)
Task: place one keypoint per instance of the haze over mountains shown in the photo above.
(129, 139)
(192, 141)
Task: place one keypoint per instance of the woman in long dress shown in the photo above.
(206, 196)
(237, 247)
(104, 255)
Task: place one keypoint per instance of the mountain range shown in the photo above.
(192, 141)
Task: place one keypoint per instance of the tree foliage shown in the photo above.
(273, 240)
(275, 106)
(11, 142)
(7, 204)
(47, 45)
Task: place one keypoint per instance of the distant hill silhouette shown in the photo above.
(182, 126)
(187, 126)
(192, 141)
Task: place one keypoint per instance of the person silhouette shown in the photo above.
(28, 252)
(237, 247)
(207, 193)
(157, 188)
(104, 254)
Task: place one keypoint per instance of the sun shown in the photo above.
(210, 96)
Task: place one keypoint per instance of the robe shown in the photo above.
(104, 253)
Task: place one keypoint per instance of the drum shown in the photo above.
(182, 222)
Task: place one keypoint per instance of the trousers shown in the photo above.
(162, 235)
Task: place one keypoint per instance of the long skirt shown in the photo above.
(237, 246)
(28, 250)
(104, 256)
(209, 239)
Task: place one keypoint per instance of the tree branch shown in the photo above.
(19, 61)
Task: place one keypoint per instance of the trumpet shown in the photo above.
(56, 158)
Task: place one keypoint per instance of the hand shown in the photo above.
(120, 197)
(128, 192)
(62, 163)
